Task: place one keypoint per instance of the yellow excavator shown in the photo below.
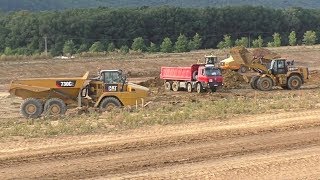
(272, 72)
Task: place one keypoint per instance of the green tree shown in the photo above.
(124, 49)
(276, 40)
(111, 47)
(197, 40)
(257, 43)
(69, 48)
(166, 45)
(96, 47)
(292, 38)
(8, 51)
(242, 42)
(138, 44)
(181, 44)
(82, 48)
(226, 43)
(310, 38)
(153, 47)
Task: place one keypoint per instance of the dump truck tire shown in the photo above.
(31, 108)
(199, 88)
(175, 86)
(189, 87)
(55, 107)
(254, 81)
(167, 86)
(294, 82)
(109, 104)
(264, 84)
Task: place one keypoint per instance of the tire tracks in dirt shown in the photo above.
(258, 134)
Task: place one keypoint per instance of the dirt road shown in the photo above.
(284, 145)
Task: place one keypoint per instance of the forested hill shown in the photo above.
(39, 5)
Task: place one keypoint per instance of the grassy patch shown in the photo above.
(213, 108)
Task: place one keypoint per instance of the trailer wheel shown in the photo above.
(294, 82)
(175, 86)
(109, 103)
(199, 88)
(167, 86)
(189, 87)
(31, 108)
(254, 81)
(264, 84)
(55, 107)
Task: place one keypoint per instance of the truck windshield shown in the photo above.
(209, 71)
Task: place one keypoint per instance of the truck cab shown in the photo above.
(209, 77)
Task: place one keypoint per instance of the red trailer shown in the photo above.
(198, 76)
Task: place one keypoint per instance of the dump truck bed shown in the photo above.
(42, 88)
(178, 73)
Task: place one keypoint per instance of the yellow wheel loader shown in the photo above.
(53, 96)
(272, 72)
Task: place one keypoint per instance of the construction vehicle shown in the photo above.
(264, 55)
(272, 72)
(53, 96)
(199, 77)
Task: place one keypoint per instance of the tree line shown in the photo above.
(24, 32)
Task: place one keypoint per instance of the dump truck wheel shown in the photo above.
(167, 86)
(243, 69)
(264, 84)
(175, 86)
(31, 108)
(254, 81)
(294, 82)
(199, 88)
(55, 107)
(189, 87)
(109, 103)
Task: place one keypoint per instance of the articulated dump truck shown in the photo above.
(53, 96)
(272, 72)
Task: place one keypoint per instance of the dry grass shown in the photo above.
(209, 108)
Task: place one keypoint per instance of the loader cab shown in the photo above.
(279, 66)
(210, 59)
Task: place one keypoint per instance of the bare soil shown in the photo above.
(279, 145)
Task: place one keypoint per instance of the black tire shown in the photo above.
(31, 108)
(189, 87)
(294, 82)
(213, 89)
(195, 75)
(265, 84)
(199, 88)
(109, 103)
(254, 81)
(243, 69)
(55, 107)
(167, 86)
(175, 86)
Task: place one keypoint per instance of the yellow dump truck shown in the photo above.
(53, 96)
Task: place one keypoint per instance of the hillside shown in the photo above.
(38, 5)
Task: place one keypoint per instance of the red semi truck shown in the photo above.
(198, 76)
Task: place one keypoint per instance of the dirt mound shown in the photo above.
(155, 82)
(232, 80)
(264, 53)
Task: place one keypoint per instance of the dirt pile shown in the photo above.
(264, 53)
(232, 80)
(155, 82)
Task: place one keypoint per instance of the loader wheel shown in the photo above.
(264, 84)
(189, 87)
(31, 108)
(254, 81)
(199, 88)
(294, 82)
(167, 86)
(55, 107)
(109, 103)
(175, 86)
